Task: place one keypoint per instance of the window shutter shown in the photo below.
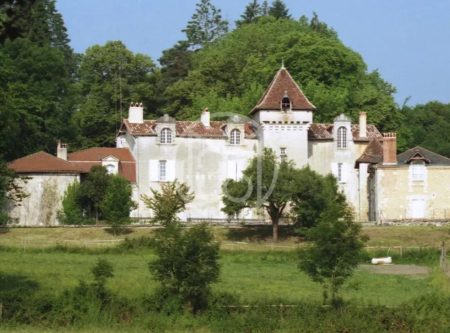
(171, 172)
(231, 169)
(334, 170)
(153, 170)
(345, 173)
(241, 165)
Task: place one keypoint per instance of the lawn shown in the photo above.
(250, 275)
(253, 269)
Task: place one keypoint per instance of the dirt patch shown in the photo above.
(397, 269)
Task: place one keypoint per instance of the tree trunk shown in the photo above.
(275, 230)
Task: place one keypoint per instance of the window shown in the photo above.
(235, 137)
(418, 171)
(166, 135)
(162, 170)
(342, 138)
(340, 175)
(111, 169)
(283, 155)
(285, 103)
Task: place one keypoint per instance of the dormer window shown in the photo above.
(235, 137)
(166, 135)
(418, 171)
(342, 137)
(285, 102)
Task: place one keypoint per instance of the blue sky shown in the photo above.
(408, 41)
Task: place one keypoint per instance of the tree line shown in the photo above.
(48, 92)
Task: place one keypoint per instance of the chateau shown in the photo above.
(378, 184)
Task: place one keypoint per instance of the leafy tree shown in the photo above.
(71, 209)
(175, 65)
(186, 264)
(252, 11)
(206, 25)
(93, 190)
(279, 10)
(315, 193)
(15, 18)
(117, 203)
(335, 250)
(111, 77)
(232, 74)
(167, 203)
(426, 125)
(266, 183)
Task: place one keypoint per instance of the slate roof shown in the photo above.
(42, 162)
(423, 154)
(283, 84)
(325, 132)
(192, 129)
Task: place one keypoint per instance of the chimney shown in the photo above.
(389, 148)
(205, 118)
(61, 151)
(363, 125)
(136, 113)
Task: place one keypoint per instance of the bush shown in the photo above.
(187, 264)
(71, 211)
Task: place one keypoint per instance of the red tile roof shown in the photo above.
(187, 129)
(282, 84)
(42, 162)
(373, 153)
(99, 153)
(85, 159)
(325, 132)
(78, 162)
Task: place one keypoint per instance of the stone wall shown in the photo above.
(44, 200)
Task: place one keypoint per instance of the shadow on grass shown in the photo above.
(118, 231)
(4, 230)
(259, 233)
(17, 284)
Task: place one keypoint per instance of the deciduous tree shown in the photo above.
(167, 203)
(267, 183)
(117, 203)
(336, 245)
(186, 265)
(111, 77)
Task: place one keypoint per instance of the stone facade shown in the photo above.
(204, 153)
(44, 198)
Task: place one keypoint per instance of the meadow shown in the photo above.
(256, 276)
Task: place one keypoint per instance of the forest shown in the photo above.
(49, 92)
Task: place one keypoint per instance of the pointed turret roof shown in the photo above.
(283, 84)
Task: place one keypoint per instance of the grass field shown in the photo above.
(252, 267)
(44, 262)
(235, 238)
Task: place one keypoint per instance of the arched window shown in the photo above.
(285, 103)
(166, 135)
(342, 138)
(235, 137)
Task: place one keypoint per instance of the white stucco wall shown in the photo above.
(44, 201)
(202, 163)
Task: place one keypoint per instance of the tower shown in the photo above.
(285, 115)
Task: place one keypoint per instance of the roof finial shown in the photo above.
(282, 63)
